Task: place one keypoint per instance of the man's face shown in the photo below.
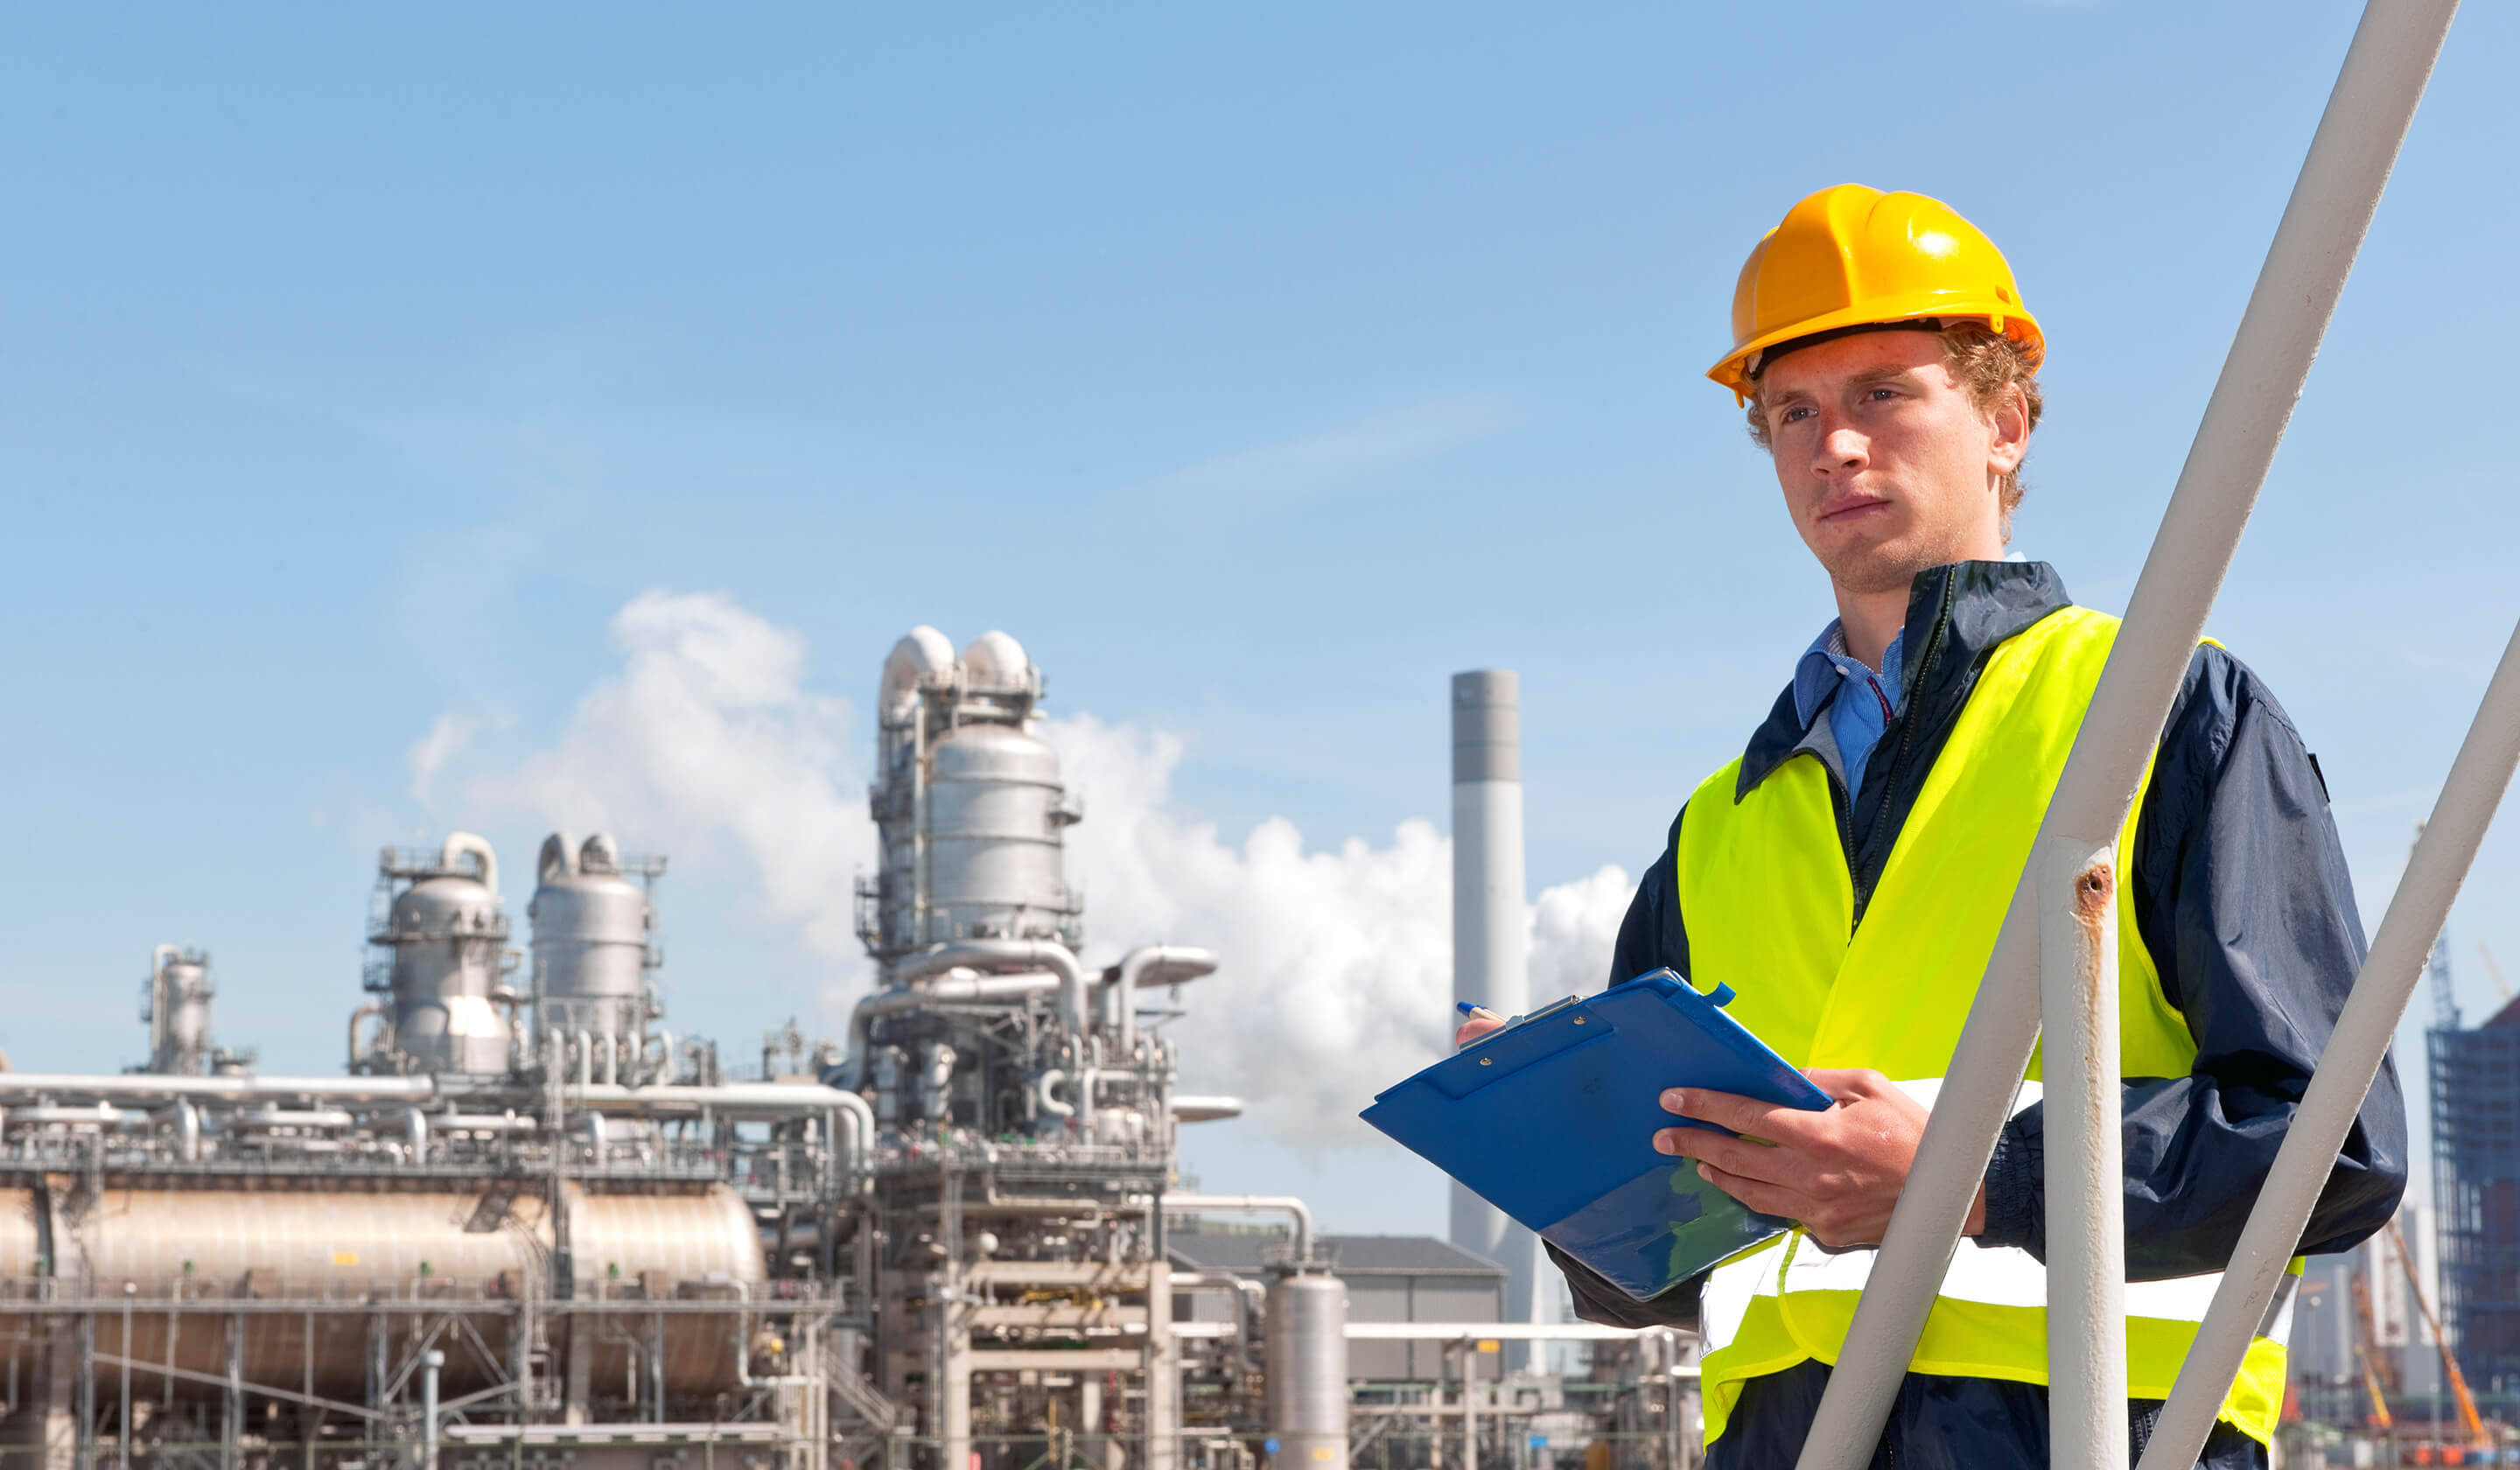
(1887, 465)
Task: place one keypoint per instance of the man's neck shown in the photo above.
(1870, 620)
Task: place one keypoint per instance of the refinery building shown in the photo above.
(532, 1223)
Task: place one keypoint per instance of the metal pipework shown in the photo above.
(1150, 965)
(939, 987)
(372, 1008)
(1252, 1204)
(2478, 780)
(429, 1363)
(1076, 1002)
(139, 1090)
(2305, 272)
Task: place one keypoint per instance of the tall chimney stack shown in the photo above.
(1490, 961)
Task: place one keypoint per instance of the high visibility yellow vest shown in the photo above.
(1769, 902)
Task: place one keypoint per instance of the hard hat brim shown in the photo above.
(1732, 370)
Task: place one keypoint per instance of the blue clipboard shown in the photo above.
(1552, 1120)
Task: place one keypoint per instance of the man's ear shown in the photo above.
(2010, 423)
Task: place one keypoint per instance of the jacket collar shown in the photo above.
(1956, 614)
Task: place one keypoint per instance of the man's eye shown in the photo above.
(1795, 415)
(1878, 395)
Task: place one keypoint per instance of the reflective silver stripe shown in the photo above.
(1997, 1275)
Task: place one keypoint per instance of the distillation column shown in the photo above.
(1490, 938)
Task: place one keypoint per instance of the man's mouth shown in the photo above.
(1851, 511)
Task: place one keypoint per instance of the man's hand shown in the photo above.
(1838, 1173)
(1479, 1023)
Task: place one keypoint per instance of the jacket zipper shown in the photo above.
(1913, 676)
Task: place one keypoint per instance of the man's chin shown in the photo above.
(1879, 569)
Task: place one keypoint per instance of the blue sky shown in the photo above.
(1256, 371)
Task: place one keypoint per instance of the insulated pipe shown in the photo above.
(2323, 227)
(944, 986)
(143, 1090)
(1045, 1094)
(188, 1132)
(415, 1128)
(1252, 1204)
(429, 1363)
(764, 1099)
(1150, 965)
(372, 1008)
(460, 843)
(2478, 779)
(1077, 1005)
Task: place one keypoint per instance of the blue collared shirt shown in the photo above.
(1859, 701)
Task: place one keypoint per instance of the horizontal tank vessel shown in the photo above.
(446, 1248)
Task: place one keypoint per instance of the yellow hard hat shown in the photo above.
(1850, 258)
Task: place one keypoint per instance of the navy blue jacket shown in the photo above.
(2240, 889)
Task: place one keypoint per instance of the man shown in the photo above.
(1848, 874)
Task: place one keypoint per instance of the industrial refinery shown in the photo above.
(531, 1222)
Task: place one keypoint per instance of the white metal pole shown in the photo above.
(2323, 227)
(2078, 1003)
(2474, 789)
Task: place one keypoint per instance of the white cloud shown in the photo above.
(1338, 974)
(1573, 928)
(430, 754)
(1338, 960)
(1280, 475)
(705, 743)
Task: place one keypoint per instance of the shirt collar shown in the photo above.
(1827, 664)
(1959, 614)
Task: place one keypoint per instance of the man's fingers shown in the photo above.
(1480, 1023)
(1742, 1115)
(1758, 1194)
(1732, 1155)
(1850, 1084)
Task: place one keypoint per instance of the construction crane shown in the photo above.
(2366, 1353)
(2470, 1418)
(2495, 971)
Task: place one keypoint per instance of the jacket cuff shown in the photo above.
(1595, 1299)
(2015, 1182)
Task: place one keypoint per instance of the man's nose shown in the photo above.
(1841, 450)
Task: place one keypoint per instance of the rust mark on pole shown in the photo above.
(2078, 978)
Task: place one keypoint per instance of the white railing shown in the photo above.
(2059, 973)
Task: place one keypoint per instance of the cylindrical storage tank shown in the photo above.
(994, 865)
(703, 1245)
(185, 985)
(176, 1256)
(1307, 1367)
(590, 944)
(448, 936)
(201, 1248)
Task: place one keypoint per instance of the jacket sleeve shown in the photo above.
(2241, 895)
(1650, 937)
